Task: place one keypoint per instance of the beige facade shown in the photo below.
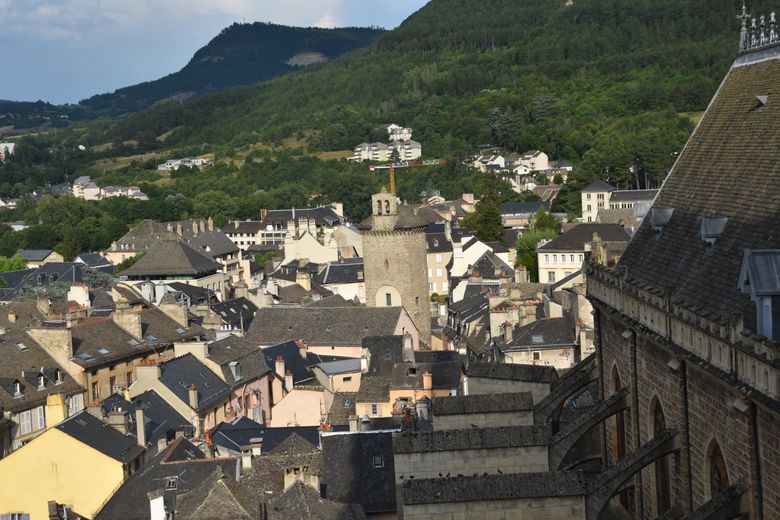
(438, 277)
(554, 266)
(592, 202)
(301, 407)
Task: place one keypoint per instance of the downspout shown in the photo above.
(759, 492)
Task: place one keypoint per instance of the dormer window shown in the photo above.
(17, 389)
(235, 369)
(58, 378)
(41, 382)
(759, 278)
(711, 229)
(659, 218)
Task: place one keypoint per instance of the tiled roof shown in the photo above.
(521, 208)
(632, 195)
(581, 234)
(238, 313)
(217, 497)
(598, 186)
(249, 357)
(293, 361)
(34, 254)
(341, 408)
(243, 431)
(96, 434)
(214, 243)
(160, 418)
(528, 373)
(729, 168)
(338, 273)
(172, 258)
(303, 501)
(544, 333)
(180, 373)
(323, 325)
(145, 234)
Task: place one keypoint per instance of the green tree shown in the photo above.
(486, 220)
(15, 263)
(542, 220)
(128, 263)
(527, 245)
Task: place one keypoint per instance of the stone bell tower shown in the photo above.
(395, 260)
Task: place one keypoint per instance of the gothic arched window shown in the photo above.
(663, 490)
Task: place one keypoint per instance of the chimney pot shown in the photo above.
(193, 395)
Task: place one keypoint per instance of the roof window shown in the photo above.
(659, 218)
(711, 229)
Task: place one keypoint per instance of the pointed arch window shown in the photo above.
(663, 489)
(719, 478)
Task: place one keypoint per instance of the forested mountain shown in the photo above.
(241, 54)
(608, 83)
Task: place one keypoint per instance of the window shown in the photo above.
(588, 196)
(719, 478)
(438, 272)
(431, 287)
(550, 276)
(346, 379)
(445, 286)
(589, 208)
(95, 392)
(129, 378)
(58, 379)
(374, 409)
(25, 422)
(15, 516)
(430, 273)
(571, 258)
(379, 461)
(171, 483)
(388, 299)
(17, 389)
(41, 382)
(580, 258)
(438, 259)
(537, 356)
(41, 417)
(546, 258)
(112, 382)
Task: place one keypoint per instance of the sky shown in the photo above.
(63, 51)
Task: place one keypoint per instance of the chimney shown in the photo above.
(119, 421)
(157, 505)
(365, 424)
(210, 224)
(140, 429)
(508, 332)
(279, 366)
(427, 381)
(408, 349)
(56, 411)
(43, 305)
(179, 229)
(57, 341)
(288, 379)
(177, 311)
(193, 397)
(263, 214)
(147, 370)
(354, 424)
(246, 458)
(12, 316)
(79, 293)
(302, 350)
(128, 319)
(303, 279)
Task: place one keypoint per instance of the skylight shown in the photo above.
(104, 351)
(21, 346)
(537, 339)
(150, 338)
(84, 356)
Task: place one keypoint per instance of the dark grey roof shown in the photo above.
(340, 367)
(143, 235)
(180, 373)
(480, 488)
(732, 136)
(341, 408)
(218, 497)
(528, 373)
(491, 267)
(632, 195)
(214, 243)
(563, 281)
(293, 361)
(581, 234)
(436, 356)
(243, 431)
(544, 333)
(19, 282)
(172, 258)
(323, 325)
(181, 462)
(241, 360)
(324, 216)
(35, 255)
(470, 308)
(446, 375)
(350, 475)
(161, 420)
(244, 226)
(471, 439)
(483, 403)
(598, 186)
(521, 208)
(196, 294)
(302, 501)
(337, 273)
(334, 301)
(438, 243)
(238, 313)
(98, 435)
(93, 260)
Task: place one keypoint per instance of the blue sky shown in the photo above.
(66, 50)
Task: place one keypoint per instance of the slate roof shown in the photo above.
(323, 325)
(181, 460)
(238, 313)
(470, 308)
(324, 216)
(491, 267)
(341, 408)
(20, 282)
(172, 258)
(483, 403)
(300, 367)
(214, 243)
(528, 373)
(479, 488)
(581, 234)
(350, 475)
(243, 431)
(217, 497)
(471, 439)
(93, 260)
(234, 349)
(196, 294)
(98, 435)
(303, 501)
(180, 373)
(445, 375)
(598, 186)
(34, 255)
(334, 301)
(521, 208)
(338, 273)
(23, 364)
(161, 420)
(438, 243)
(632, 195)
(729, 168)
(544, 333)
(343, 366)
(143, 235)
(244, 226)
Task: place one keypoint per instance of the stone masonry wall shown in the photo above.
(427, 465)
(550, 508)
(399, 259)
(768, 428)
(483, 420)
